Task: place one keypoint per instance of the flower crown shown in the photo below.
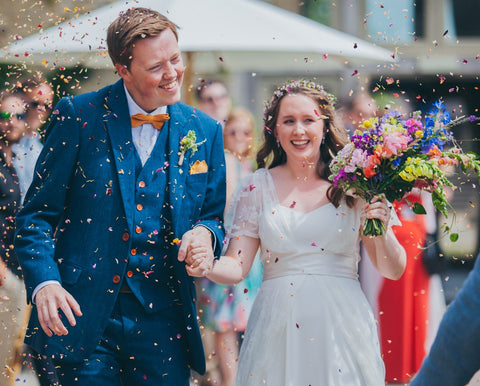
(286, 87)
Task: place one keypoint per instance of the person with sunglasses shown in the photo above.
(214, 99)
(38, 101)
(13, 309)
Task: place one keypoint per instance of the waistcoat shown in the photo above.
(150, 273)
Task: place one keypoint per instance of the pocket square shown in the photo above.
(199, 167)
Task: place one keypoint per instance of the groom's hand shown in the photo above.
(49, 300)
(196, 250)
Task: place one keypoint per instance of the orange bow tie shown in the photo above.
(156, 120)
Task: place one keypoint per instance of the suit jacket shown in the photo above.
(77, 220)
(453, 358)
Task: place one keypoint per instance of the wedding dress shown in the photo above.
(311, 323)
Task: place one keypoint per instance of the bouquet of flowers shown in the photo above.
(391, 156)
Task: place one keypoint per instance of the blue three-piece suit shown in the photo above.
(95, 219)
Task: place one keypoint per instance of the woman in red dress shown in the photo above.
(403, 304)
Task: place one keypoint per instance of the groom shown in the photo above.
(126, 175)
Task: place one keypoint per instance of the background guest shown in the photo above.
(38, 99)
(13, 308)
(214, 99)
(354, 110)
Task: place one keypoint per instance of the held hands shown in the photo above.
(196, 250)
(49, 300)
(378, 208)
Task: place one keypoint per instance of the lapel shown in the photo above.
(117, 121)
(177, 126)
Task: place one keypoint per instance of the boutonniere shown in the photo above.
(189, 142)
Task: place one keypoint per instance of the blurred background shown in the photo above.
(405, 54)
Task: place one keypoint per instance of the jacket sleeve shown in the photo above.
(453, 358)
(37, 221)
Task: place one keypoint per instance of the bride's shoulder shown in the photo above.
(259, 175)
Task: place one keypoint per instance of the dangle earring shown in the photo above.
(278, 144)
(324, 135)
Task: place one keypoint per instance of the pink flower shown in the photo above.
(358, 160)
(414, 124)
(394, 143)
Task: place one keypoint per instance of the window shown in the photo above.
(394, 21)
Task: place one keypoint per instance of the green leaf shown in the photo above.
(453, 237)
(419, 209)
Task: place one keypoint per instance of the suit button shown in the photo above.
(116, 279)
(138, 229)
(133, 251)
(129, 273)
(141, 184)
(125, 236)
(139, 207)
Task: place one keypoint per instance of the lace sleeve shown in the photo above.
(244, 208)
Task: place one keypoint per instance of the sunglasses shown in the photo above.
(6, 116)
(212, 99)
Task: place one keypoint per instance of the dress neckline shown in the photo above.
(275, 196)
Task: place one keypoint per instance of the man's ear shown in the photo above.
(122, 70)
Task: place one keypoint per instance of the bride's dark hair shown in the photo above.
(271, 154)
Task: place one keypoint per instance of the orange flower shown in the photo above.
(434, 152)
(369, 172)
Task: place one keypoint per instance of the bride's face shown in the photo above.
(300, 128)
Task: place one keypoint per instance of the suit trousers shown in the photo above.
(14, 312)
(136, 349)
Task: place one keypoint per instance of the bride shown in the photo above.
(310, 323)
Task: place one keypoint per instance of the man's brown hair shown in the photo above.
(132, 25)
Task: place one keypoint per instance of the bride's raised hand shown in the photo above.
(377, 208)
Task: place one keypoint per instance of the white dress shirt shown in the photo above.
(145, 136)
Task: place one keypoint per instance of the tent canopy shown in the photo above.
(242, 35)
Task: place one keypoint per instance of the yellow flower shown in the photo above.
(419, 134)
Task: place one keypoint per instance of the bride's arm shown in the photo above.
(386, 253)
(234, 265)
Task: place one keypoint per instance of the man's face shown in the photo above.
(40, 104)
(216, 102)
(156, 71)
